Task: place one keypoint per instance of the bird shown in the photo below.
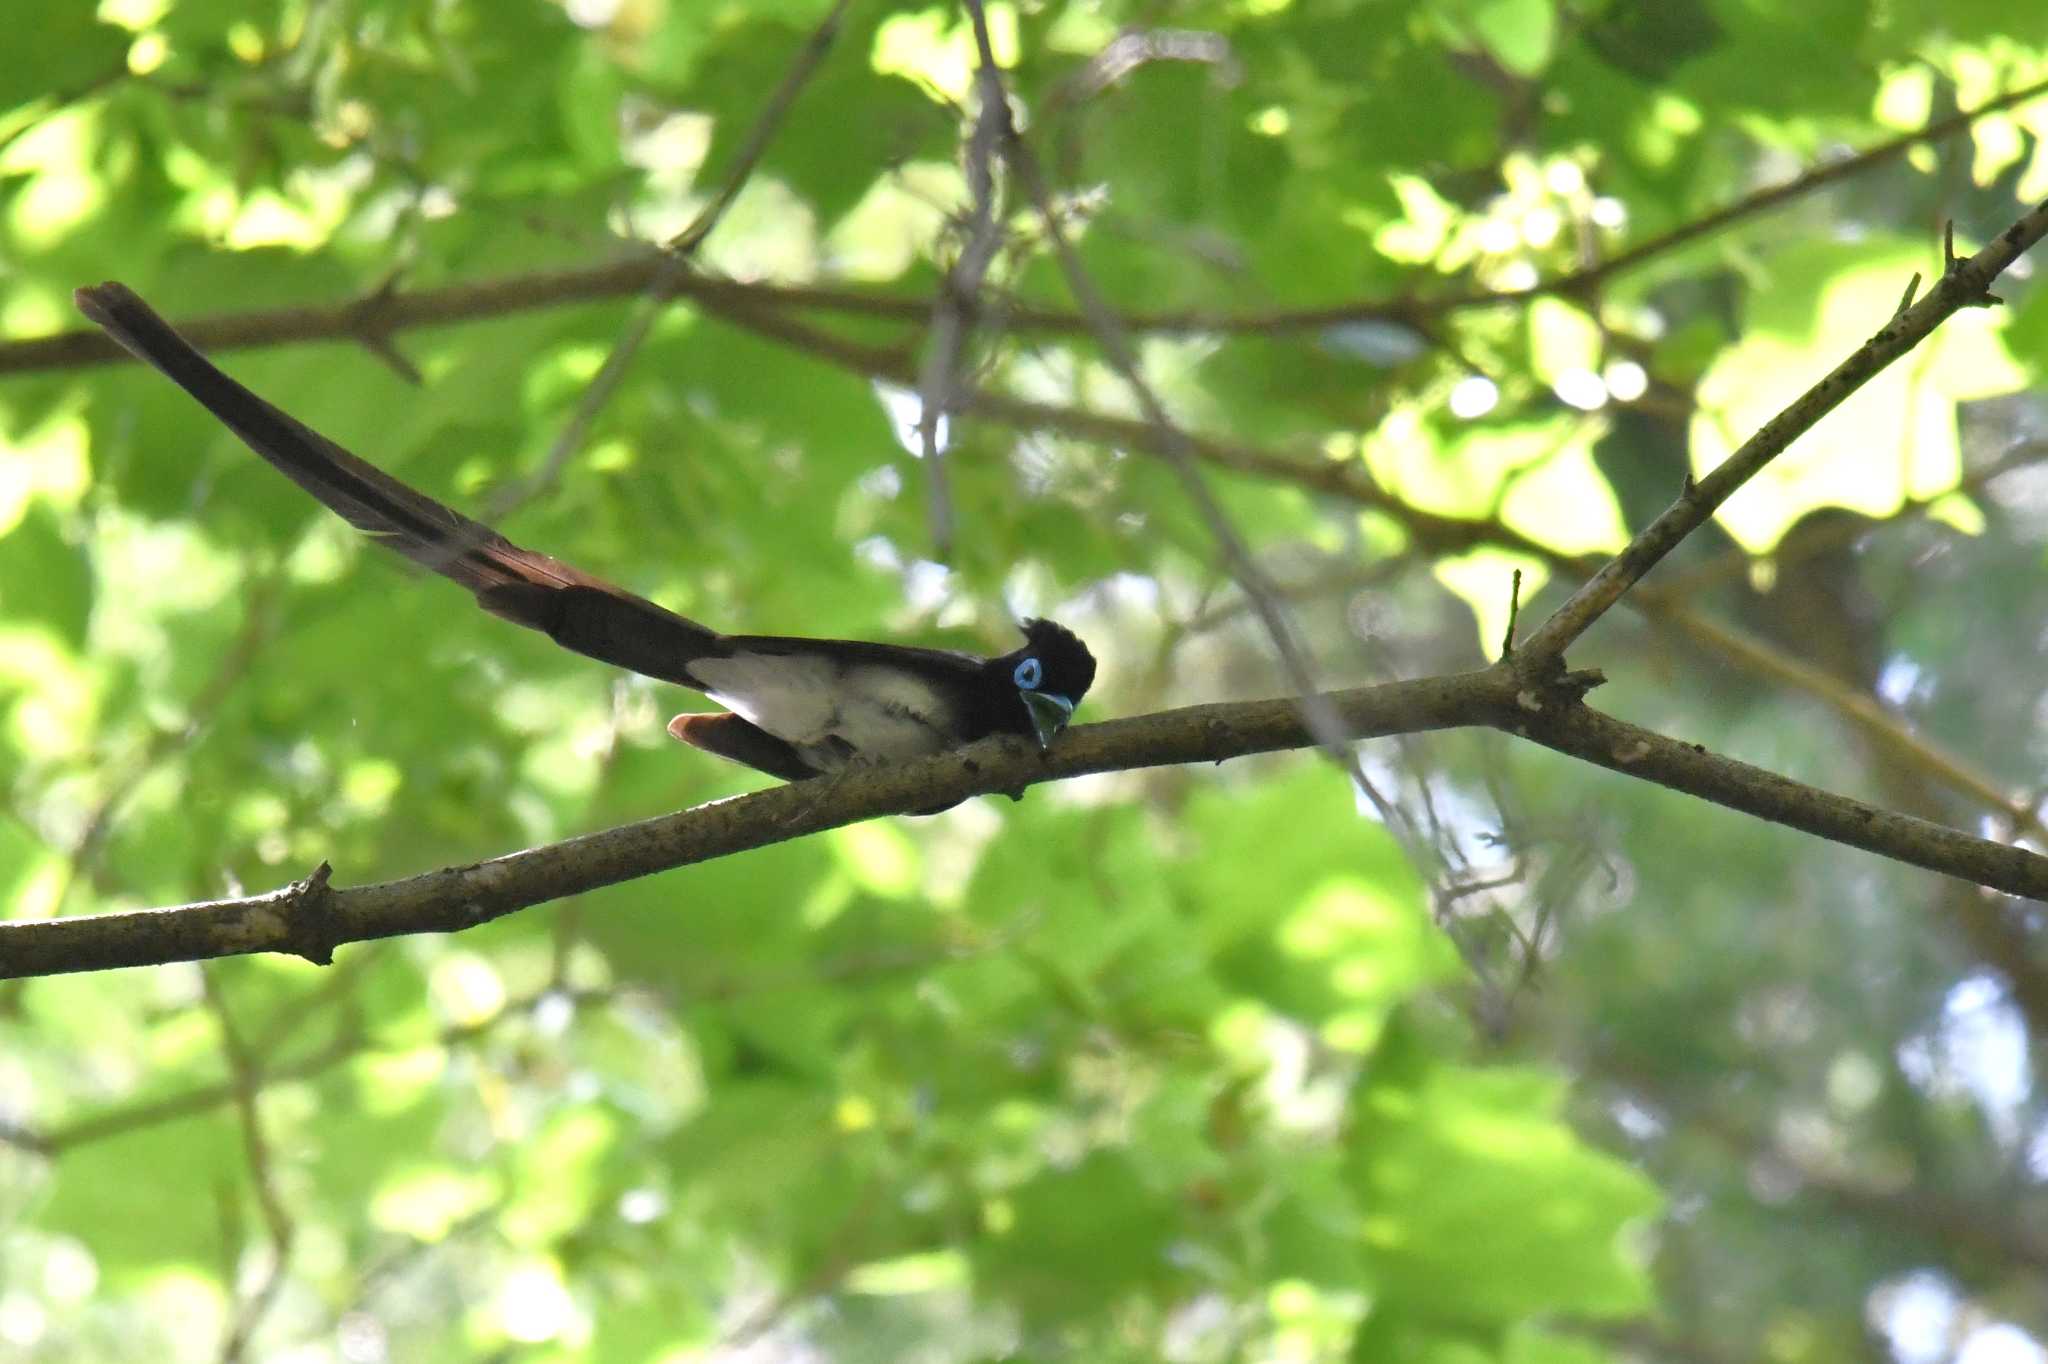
(795, 708)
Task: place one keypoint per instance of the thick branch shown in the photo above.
(1604, 741)
(311, 919)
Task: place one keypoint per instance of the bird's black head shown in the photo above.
(1052, 672)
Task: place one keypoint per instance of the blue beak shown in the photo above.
(1049, 714)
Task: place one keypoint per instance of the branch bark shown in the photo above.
(311, 918)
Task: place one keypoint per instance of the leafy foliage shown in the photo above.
(1533, 1066)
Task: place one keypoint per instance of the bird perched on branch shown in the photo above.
(796, 707)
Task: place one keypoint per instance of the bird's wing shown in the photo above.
(733, 738)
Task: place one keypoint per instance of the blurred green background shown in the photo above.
(1542, 1066)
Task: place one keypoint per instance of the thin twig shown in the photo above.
(1985, 1226)
(240, 655)
(1964, 285)
(1580, 281)
(1853, 704)
(1344, 580)
(352, 1041)
(1507, 639)
(477, 300)
(838, 1257)
(957, 301)
(808, 58)
(1736, 562)
(1109, 333)
(675, 260)
(246, 1073)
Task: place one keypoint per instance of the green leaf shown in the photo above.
(1479, 1203)
(66, 49)
(1826, 301)
(201, 1204)
(829, 162)
(46, 577)
(1520, 33)
(1079, 1239)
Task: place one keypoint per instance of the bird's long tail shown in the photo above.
(573, 608)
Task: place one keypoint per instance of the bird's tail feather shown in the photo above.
(573, 608)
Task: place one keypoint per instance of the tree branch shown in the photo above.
(1431, 532)
(311, 918)
(1604, 741)
(1172, 442)
(677, 253)
(387, 311)
(958, 304)
(1964, 284)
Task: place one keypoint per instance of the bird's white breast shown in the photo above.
(831, 710)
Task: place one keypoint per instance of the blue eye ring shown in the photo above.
(1028, 675)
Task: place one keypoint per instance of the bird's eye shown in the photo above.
(1028, 675)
